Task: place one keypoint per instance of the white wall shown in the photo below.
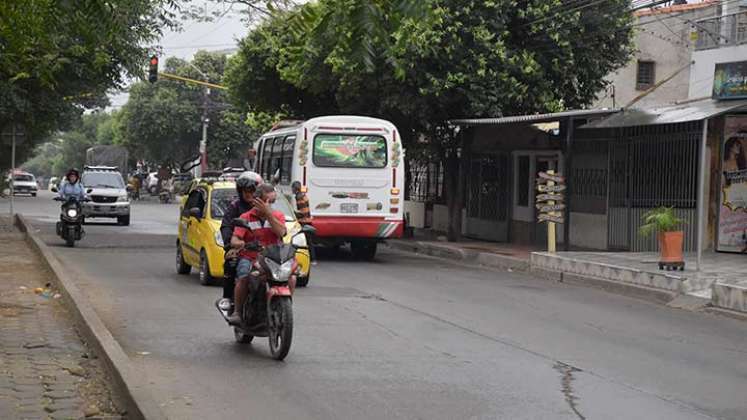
(669, 47)
(701, 76)
(589, 230)
(415, 211)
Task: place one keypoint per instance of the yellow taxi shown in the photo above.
(199, 243)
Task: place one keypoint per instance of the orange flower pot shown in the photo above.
(670, 246)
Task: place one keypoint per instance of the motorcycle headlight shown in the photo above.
(299, 241)
(122, 198)
(219, 239)
(280, 272)
(72, 213)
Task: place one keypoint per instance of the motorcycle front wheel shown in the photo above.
(280, 326)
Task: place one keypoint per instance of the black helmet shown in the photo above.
(248, 181)
(72, 171)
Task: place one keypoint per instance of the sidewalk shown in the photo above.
(490, 254)
(46, 372)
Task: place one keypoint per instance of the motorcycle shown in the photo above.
(166, 191)
(271, 312)
(70, 226)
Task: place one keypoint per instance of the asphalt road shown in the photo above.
(404, 337)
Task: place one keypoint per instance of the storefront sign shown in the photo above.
(732, 226)
(730, 80)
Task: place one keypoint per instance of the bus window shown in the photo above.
(266, 156)
(349, 151)
(286, 163)
(275, 156)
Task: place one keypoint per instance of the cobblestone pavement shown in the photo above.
(46, 372)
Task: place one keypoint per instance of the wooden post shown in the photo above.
(551, 225)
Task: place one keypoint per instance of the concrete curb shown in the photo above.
(486, 259)
(128, 384)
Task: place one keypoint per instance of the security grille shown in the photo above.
(652, 166)
(589, 176)
(426, 181)
(488, 188)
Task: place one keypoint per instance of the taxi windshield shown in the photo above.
(221, 198)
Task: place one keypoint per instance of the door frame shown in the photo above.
(528, 213)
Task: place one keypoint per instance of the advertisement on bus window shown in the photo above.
(349, 151)
(732, 227)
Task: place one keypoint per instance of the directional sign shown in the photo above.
(550, 197)
(543, 217)
(545, 208)
(548, 177)
(550, 188)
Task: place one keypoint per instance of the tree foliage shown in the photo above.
(58, 57)
(162, 122)
(421, 64)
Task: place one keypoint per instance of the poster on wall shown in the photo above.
(730, 80)
(732, 226)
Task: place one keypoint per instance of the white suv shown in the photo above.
(108, 193)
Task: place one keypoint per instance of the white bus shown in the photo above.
(352, 170)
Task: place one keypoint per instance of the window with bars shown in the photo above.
(646, 75)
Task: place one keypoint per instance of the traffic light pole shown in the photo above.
(203, 142)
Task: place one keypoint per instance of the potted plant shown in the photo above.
(667, 226)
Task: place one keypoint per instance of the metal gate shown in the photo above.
(652, 166)
(488, 197)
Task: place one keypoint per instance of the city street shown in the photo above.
(403, 337)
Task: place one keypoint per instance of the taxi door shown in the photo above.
(189, 231)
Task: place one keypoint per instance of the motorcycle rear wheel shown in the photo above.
(280, 326)
(70, 242)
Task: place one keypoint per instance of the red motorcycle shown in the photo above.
(271, 312)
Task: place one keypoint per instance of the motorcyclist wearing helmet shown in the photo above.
(73, 187)
(246, 185)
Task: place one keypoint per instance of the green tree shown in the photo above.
(461, 58)
(162, 122)
(58, 57)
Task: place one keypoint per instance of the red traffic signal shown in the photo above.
(153, 69)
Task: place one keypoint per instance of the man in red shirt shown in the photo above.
(267, 228)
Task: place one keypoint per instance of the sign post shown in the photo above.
(549, 203)
(16, 134)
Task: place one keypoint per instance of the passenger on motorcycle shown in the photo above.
(246, 184)
(72, 188)
(267, 228)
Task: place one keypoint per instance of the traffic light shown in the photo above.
(153, 69)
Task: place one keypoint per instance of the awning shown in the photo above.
(536, 118)
(670, 114)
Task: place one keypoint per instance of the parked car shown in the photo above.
(108, 193)
(24, 183)
(199, 242)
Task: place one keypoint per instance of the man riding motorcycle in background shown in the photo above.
(73, 187)
(246, 185)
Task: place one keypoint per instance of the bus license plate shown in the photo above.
(349, 208)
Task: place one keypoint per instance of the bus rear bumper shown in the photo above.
(357, 227)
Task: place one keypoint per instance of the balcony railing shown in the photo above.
(722, 31)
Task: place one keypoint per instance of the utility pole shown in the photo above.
(205, 121)
(17, 134)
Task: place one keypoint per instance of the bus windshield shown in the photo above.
(349, 151)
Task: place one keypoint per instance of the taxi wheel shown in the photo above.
(181, 266)
(205, 278)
